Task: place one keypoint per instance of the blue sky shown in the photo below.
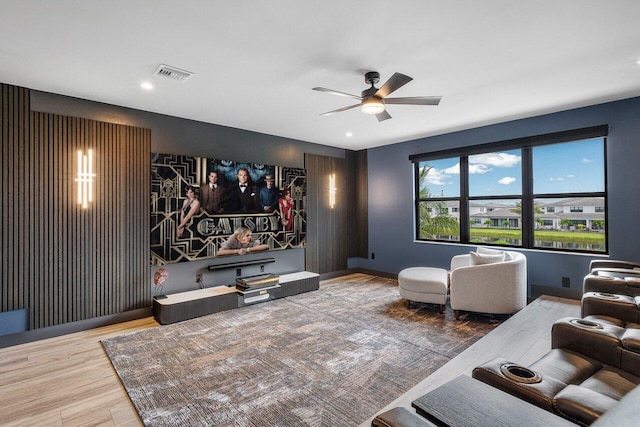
(558, 168)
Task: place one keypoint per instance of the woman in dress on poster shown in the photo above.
(286, 210)
(190, 207)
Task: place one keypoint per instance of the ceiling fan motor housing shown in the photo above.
(372, 77)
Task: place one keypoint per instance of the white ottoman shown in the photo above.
(424, 284)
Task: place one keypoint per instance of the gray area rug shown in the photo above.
(331, 357)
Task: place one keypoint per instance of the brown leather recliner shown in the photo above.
(587, 372)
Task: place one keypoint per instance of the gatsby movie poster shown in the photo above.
(197, 203)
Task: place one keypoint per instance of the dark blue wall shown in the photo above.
(391, 215)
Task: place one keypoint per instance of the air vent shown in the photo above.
(173, 73)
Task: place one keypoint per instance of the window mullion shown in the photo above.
(527, 213)
(465, 233)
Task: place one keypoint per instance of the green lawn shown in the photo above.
(551, 235)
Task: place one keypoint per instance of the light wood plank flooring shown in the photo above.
(69, 380)
(66, 381)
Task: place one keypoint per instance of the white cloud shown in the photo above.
(556, 179)
(506, 180)
(571, 176)
(437, 177)
(479, 168)
(453, 170)
(483, 163)
(585, 160)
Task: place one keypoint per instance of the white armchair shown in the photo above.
(496, 287)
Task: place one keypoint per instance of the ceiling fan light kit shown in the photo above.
(372, 100)
(372, 105)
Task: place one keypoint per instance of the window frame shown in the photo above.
(527, 197)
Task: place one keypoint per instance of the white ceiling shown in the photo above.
(255, 62)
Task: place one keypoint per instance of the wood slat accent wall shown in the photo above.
(62, 262)
(358, 214)
(327, 234)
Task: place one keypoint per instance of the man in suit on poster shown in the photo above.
(242, 196)
(268, 195)
(212, 195)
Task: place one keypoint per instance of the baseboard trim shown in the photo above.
(554, 291)
(376, 273)
(69, 328)
(334, 274)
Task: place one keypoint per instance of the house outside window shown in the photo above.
(533, 194)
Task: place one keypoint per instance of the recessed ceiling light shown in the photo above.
(349, 134)
(146, 85)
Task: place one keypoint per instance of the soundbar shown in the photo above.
(241, 263)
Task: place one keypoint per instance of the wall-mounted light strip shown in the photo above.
(332, 191)
(85, 178)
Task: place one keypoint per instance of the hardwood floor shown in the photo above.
(69, 380)
(66, 381)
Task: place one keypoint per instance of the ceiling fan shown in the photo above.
(373, 100)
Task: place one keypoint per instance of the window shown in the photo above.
(571, 177)
(495, 174)
(438, 187)
(545, 192)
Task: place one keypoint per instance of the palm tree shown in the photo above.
(434, 220)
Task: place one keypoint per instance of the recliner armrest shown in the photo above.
(602, 282)
(600, 341)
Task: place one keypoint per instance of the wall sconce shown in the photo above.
(85, 178)
(332, 190)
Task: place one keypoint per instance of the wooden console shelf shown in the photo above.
(191, 304)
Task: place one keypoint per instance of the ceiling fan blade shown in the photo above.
(394, 83)
(335, 92)
(383, 116)
(414, 100)
(340, 109)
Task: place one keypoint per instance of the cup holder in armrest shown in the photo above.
(607, 295)
(520, 374)
(583, 323)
